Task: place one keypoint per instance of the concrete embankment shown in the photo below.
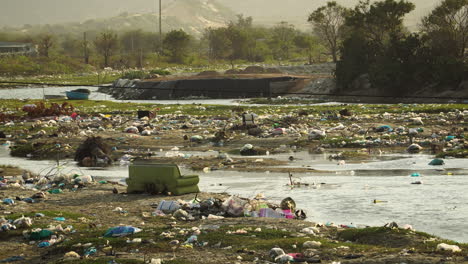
(224, 87)
(254, 81)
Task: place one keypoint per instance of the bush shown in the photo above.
(18, 65)
(23, 65)
(39, 109)
(131, 75)
(160, 72)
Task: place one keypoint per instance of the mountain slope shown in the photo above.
(270, 12)
(191, 15)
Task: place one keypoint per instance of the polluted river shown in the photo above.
(343, 195)
(373, 192)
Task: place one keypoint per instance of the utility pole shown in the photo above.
(160, 28)
(85, 49)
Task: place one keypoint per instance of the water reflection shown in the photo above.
(438, 206)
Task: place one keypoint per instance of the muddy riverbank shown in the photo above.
(230, 240)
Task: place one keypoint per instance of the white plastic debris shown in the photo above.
(312, 244)
(317, 134)
(414, 148)
(447, 247)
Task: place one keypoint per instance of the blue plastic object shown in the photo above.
(12, 259)
(43, 244)
(121, 231)
(415, 174)
(437, 162)
(29, 200)
(385, 128)
(61, 219)
(90, 251)
(192, 239)
(8, 201)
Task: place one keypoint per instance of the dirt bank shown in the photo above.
(91, 211)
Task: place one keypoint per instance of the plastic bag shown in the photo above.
(234, 206)
(168, 206)
(121, 231)
(268, 212)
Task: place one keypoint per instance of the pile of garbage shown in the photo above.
(232, 207)
(328, 129)
(42, 237)
(51, 183)
(93, 152)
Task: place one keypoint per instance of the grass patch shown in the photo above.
(264, 240)
(337, 140)
(42, 150)
(179, 261)
(383, 236)
(100, 260)
(64, 79)
(233, 152)
(107, 107)
(459, 153)
(67, 215)
(8, 166)
(96, 237)
(284, 101)
(131, 75)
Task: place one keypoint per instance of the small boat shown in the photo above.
(78, 94)
(54, 96)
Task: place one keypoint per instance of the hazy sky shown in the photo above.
(20, 12)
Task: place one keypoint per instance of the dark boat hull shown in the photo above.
(71, 95)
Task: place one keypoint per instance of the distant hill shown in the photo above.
(270, 12)
(191, 15)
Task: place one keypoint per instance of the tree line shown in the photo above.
(238, 42)
(369, 44)
(373, 49)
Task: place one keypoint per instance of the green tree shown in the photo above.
(219, 44)
(46, 42)
(241, 35)
(310, 45)
(380, 21)
(376, 34)
(257, 44)
(72, 46)
(106, 44)
(282, 40)
(176, 42)
(136, 44)
(244, 22)
(447, 28)
(238, 37)
(328, 23)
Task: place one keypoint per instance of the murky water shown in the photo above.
(38, 93)
(438, 206)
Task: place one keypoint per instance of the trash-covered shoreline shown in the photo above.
(74, 218)
(41, 131)
(77, 212)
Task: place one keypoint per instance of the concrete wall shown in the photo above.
(222, 88)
